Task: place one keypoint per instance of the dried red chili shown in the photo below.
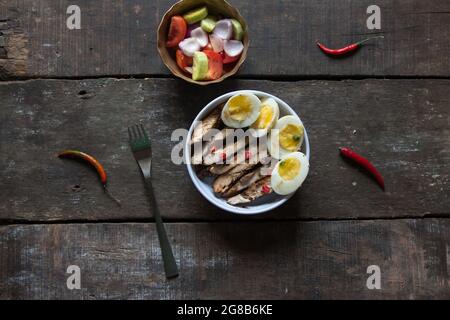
(92, 161)
(363, 162)
(224, 156)
(342, 51)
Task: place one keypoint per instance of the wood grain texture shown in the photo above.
(119, 38)
(259, 260)
(401, 125)
(14, 44)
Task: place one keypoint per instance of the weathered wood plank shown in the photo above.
(313, 260)
(402, 125)
(119, 38)
(13, 44)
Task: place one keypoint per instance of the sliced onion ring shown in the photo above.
(200, 35)
(216, 43)
(190, 28)
(224, 29)
(233, 48)
(189, 46)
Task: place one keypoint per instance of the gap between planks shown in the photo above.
(11, 222)
(275, 78)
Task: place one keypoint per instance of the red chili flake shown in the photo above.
(265, 189)
(248, 154)
(224, 156)
(213, 149)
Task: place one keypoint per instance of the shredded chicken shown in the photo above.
(216, 142)
(255, 191)
(211, 121)
(247, 180)
(223, 182)
(241, 181)
(221, 155)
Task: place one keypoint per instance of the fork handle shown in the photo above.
(170, 265)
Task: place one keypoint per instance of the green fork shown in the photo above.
(142, 151)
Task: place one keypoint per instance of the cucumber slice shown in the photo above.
(200, 66)
(208, 23)
(196, 15)
(238, 32)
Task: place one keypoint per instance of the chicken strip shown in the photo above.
(248, 179)
(215, 143)
(255, 191)
(211, 121)
(221, 155)
(223, 182)
(219, 169)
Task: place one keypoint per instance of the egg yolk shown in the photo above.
(239, 108)
(265, 116)
(290, 137)
(289, 168)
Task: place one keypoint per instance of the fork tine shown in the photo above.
(138, 129)
(144, 133)
(130, 136)
(135, 132)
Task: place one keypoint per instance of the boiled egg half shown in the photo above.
(241, 110)
(289, 173)
(267, 118)
(286, 137)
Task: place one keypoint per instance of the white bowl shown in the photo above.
(272, 201)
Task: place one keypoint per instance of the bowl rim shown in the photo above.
(199, 184)
(179, 74)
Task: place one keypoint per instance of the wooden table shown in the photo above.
(81, 89)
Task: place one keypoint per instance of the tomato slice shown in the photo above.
(183, 60)
(209, 47)
(227, 59)
(177, 31)
(215, 65)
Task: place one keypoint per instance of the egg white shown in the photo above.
(274, 147)
(255, 106)
(284, 187)
(270, 102)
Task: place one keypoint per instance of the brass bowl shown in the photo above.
(214, 7)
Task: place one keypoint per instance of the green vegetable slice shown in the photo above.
(208, 23)
(238, 31)
(196, 15)
(200, 66)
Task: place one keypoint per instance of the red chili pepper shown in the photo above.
(224, 156)
(363, 162)
(344, 50)
(265, 189)
(92, 161)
